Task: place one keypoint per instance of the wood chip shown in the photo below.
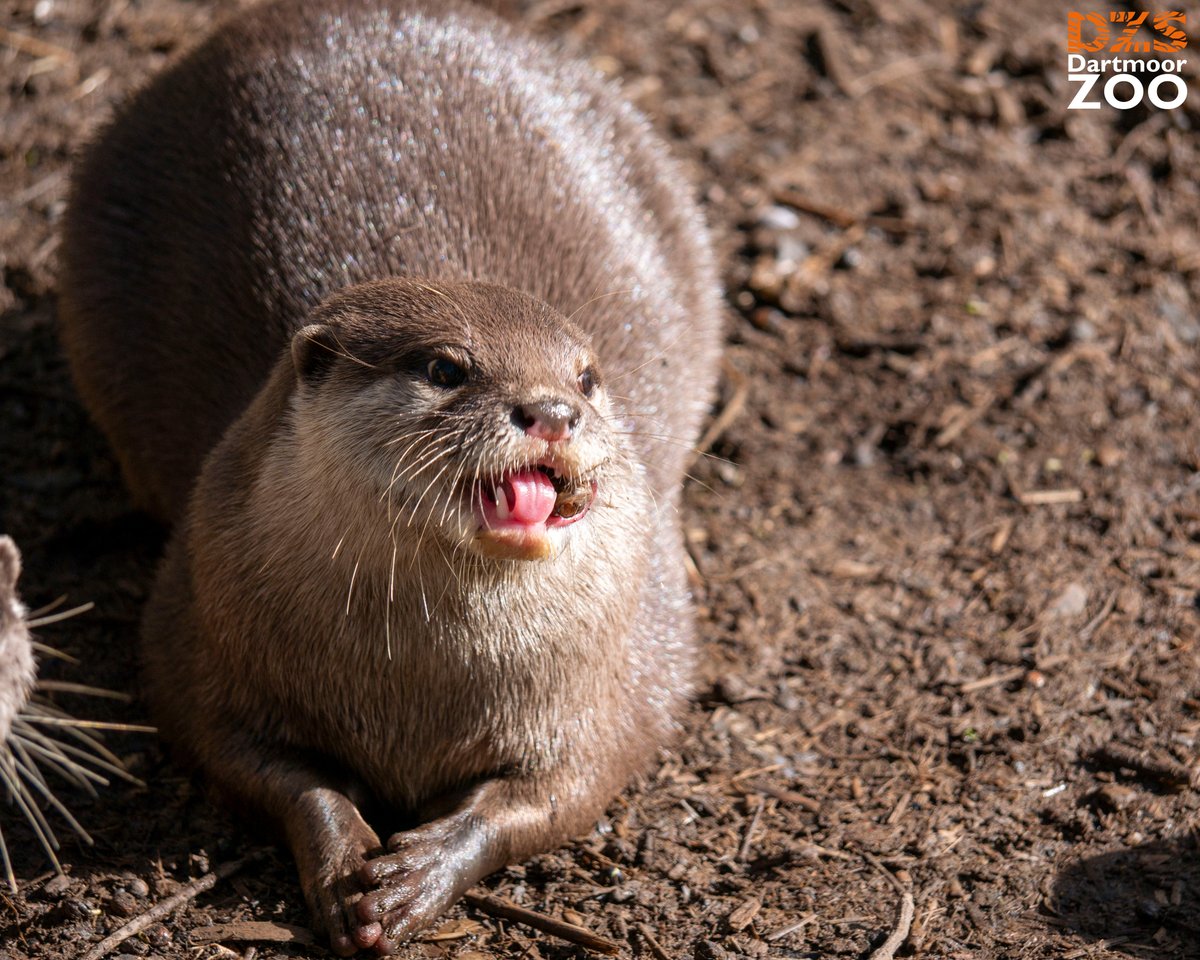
(261, 931)
(1000, 539)
(854, 570)
(1041, 498)
(454, 930)
(741, 915)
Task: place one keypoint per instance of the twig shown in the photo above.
(790, 928)
(744, 850)
(507, 910)
(839, 217)
(1102, 944)
(1163, 770)
(652, 943)
(787, 796)
(797, 201)
(165, 907)
(733, 409)
(1041, 498)
(1016, 673)
(34, 47)
(1094, 624)
(887, 950)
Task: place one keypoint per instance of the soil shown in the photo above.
(946, 544)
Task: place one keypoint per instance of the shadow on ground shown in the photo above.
(1145, 895)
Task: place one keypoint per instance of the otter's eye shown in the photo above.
(445, 373)
(587, 382)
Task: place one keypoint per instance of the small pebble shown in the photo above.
(1071, 602)
(851, 259)
(57, 885)
(1083, 331)
(709, 950)
(791, 251)
(1108, 455)
(76, 908)
(766, 318)
(730, 688)
(138, 887)
(1129, 601)
(1114, 796)
(158, 936)
(122, 904)
(779, 218)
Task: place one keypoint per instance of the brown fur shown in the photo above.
(263, 252)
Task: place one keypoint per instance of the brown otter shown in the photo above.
(379, 299)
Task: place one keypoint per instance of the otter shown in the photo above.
(36, 736)
(406, 322)
(18, 669)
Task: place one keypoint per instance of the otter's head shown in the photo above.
(471, 412)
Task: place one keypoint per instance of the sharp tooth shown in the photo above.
(501, 503)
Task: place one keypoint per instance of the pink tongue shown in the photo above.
(531, 496)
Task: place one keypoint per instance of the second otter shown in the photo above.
(408, 323)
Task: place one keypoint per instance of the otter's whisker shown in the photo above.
(588, 303)
(33, 815)
(416, 437)
(428, 487)
(53, 756)
(424, 464)
(613, 378)
(96, 754)
(34, 622)
(353, 577)
(33, 778)
(62, 686)
(51, 652)
(431, 455)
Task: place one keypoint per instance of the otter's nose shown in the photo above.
(546, 419)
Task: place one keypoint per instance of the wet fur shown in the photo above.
(323, 636)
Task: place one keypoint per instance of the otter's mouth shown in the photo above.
(516, 511)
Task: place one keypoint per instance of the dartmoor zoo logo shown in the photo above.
(1121, 58)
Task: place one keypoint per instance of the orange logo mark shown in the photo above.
(1164, 24)
(1168, 37)
(1075, 42)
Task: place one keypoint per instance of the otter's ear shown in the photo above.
(314, 348)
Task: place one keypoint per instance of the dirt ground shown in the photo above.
(947, 543)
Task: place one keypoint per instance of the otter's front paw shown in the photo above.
(333, 895)
(426, 870)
